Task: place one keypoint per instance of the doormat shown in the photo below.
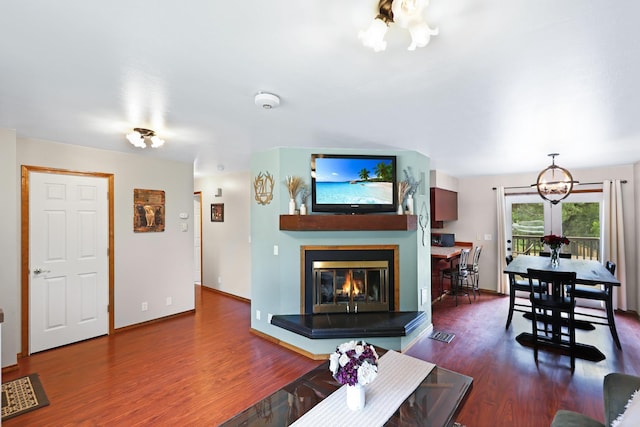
(442, 336)
(22, 395)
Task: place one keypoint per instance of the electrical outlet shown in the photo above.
(219, 280)
(275, 249)
(269, 317)
(487, 237)
(257, 314)
(169, 301)
(145, 306)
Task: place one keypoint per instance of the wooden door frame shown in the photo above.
(25, 262)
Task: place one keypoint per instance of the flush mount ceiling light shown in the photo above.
(267, 100)
(140, 136)
(407, 14)
(554, 183)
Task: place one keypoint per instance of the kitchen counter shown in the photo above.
(442, 252)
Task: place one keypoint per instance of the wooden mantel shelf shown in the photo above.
(365, 222)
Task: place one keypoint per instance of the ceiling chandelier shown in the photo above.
(554, 182)
(140, 136)
(406, 14)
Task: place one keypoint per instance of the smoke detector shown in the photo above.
(267, 100)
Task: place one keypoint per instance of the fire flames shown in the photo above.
(352, 286)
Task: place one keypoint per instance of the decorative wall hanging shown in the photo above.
(263, 188)
(148, 210)
(217, 212)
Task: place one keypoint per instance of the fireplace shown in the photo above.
(372, 270)
(349, 279)
(350, 286)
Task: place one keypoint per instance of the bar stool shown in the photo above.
(601, 293)
(474, 271)
(458, 276)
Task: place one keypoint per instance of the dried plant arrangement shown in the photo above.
(403, 187)
(411, 181)
(294, 185)
(304, 196)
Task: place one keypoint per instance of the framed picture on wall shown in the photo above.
(148, 210)
(217, 212)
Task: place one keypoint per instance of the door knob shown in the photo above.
(39, 270)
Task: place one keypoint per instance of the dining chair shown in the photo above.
(458, 276)
(566, 255)
(602, 293)
(474, 271)
(517, 284)
(559, 300)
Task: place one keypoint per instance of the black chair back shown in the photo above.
(611, 266)
(566, 255)
(562, 286)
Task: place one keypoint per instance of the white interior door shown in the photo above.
(68, 246)
(197, 239)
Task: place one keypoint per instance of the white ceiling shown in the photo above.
(502, 85)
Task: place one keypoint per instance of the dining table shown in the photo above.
(588, 272)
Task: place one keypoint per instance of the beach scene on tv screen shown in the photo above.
(354, 181)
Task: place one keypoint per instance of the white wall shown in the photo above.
(636, 181)
(477, 217)
(226, 246)
(9, 243)
(148, 266)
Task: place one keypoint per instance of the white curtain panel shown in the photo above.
(613, 239)
(503, 283)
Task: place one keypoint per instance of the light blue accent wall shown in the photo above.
(276, 279)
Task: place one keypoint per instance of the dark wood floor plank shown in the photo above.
(202, 369)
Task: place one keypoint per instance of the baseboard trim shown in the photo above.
(152, 321)
(288, 346)
(11, 368)
(426, 331)
(227, 294)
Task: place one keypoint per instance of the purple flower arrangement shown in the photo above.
(354, 362)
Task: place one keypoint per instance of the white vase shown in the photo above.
(292, 206)
(355, 397)
(303, 209)
(410, 204)
(400, 210)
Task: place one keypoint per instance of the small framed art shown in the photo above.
(217, 212)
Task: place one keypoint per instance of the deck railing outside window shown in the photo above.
(579, 247)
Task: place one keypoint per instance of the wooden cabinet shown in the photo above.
(444, 207)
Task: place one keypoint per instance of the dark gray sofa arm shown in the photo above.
(618, 388)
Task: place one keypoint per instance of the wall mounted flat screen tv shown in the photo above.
(343, 183)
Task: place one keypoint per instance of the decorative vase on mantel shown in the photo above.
(303, 209)
(355, 397)
(410, 204)
(292, 206)
(555, 257)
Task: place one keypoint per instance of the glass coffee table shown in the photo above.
(435, 402)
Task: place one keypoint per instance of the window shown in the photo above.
(579, 217)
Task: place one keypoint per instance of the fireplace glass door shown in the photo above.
(350, 286)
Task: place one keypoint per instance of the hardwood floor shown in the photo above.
(202, 369)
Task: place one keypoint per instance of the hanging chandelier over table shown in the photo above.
(554, 183)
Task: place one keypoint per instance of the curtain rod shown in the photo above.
(624, 181)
